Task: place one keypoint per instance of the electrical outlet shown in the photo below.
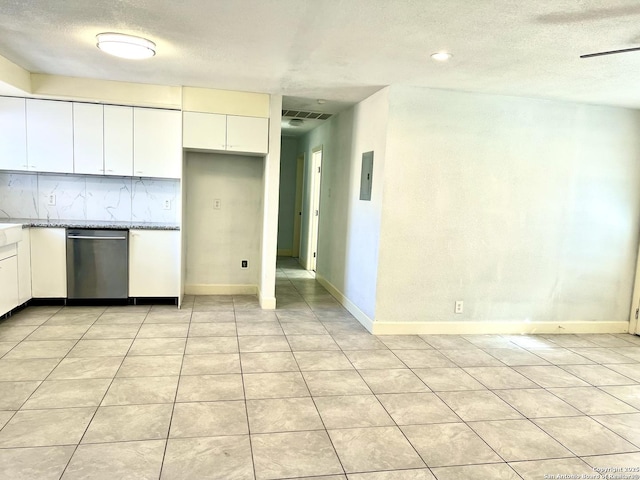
(51, 200)
(459, 307)
(167, 204)
(217, 204)
(244, 264)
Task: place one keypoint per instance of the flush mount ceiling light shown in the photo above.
(441, 56)
(126, 46)
(296, 122)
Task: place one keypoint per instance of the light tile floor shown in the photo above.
(223, 390)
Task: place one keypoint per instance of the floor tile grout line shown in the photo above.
(48, 375)
(93, 416)
(635, 444)
(173, 406)
(326, 431)
(335, 451)
(244, 395)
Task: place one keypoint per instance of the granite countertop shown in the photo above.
(109, 224)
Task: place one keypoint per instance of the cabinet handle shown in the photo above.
(109, 170)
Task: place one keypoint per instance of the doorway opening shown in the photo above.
(314, 214)
(297, 212)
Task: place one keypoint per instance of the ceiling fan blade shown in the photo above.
(610, 52)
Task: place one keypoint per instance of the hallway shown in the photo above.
(224, 390)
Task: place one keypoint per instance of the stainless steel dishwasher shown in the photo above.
(97, 263)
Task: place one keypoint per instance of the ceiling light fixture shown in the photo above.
(441, 56)
(296, 122)
(125, 46)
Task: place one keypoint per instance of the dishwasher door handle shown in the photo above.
(87, 237)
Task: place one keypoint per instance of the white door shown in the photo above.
(316, 162)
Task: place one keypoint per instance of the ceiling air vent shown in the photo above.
(309, 115)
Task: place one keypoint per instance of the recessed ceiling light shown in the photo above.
(126, 46)
(441, 56)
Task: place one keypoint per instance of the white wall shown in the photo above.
(525, 209)
(218, 240)
(269, 218)
(349, 227)
(287, 202)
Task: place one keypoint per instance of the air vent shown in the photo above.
(309, 115)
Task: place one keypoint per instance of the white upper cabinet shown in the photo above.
(13, 134)
(157, 143)
(49, 136)
(247, 134)
(206, 131)
(88, 135)
(118, 140)
(230, 133)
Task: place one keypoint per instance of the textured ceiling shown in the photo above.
(341, 50)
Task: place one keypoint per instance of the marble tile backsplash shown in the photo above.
(81, 197)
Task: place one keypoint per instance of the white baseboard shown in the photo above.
(444, 328)
(267, 303)
(285, 252)
(348, 304)
(220, 289)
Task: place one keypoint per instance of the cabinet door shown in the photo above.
(247, 134)
(154, 263)
(88, 132)
(118, 140)
(157, 143)
(24, 266)
(8, 284)
(49, 136)
(13, 134)
(48, 263)
(204, 131)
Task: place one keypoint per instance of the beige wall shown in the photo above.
(349, 227)
(217, 240)
(527, 210)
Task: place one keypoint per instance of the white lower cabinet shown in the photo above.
(48, 263)
(24, 266)
(154, 263)
(8, 278)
